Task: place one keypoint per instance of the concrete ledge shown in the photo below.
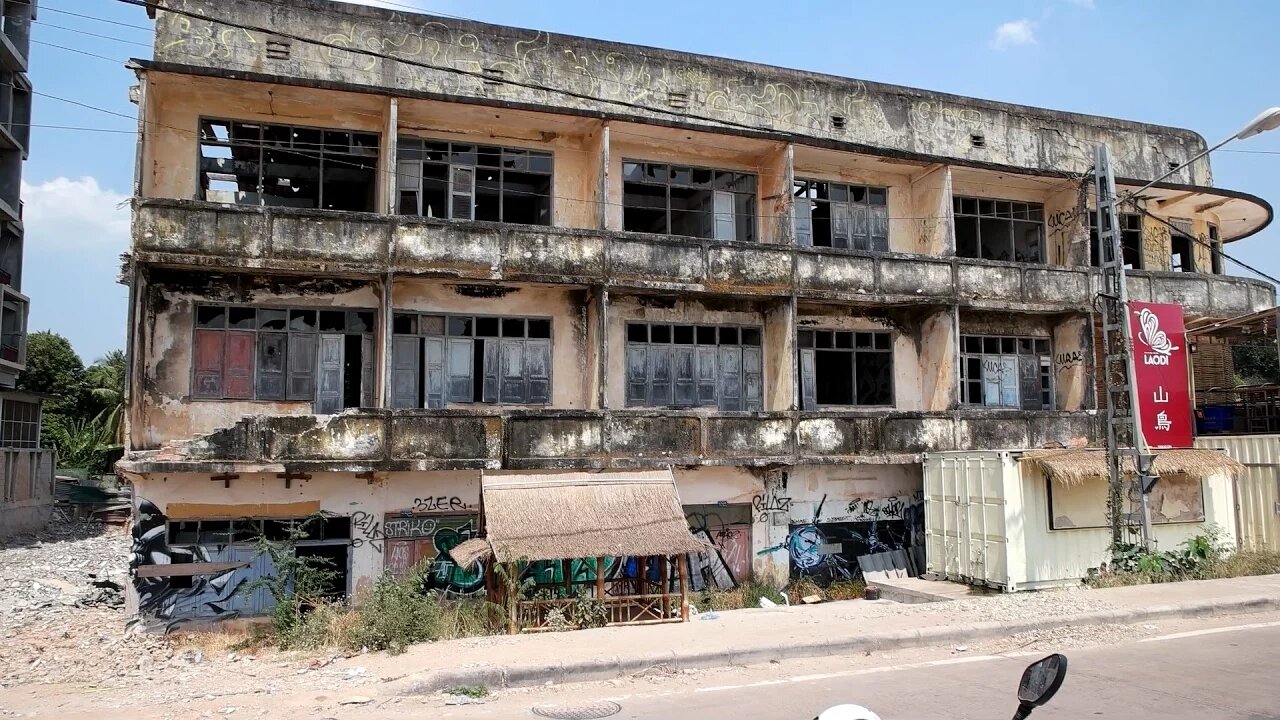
(611, 666)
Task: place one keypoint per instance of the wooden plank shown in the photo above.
(211, 511)
(187, 569)
(600, 578)
(684, 588)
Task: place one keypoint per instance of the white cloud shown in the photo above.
(1014, 33)
(75, 214)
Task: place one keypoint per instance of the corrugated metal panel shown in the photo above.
(1257, 490)
(966, 516)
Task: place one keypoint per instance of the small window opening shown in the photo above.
(1181, 254)
(838, 122)
(277, 50)
(677, 99)
(1174, 165)
(492, 76)
(978, 140)
(352, 369)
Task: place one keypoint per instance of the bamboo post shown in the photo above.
(566, 567)
(600, 578)
(642, 575)
(684, 588)
(664, 576)
(512, 595)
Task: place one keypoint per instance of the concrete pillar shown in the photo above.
(780, 377)
(930, 227)
(1072, 363)
(939, 357)
(777, 172)
(1157, 244)
(1067, 227)
(388, 189)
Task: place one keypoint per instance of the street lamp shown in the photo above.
(1116, 327)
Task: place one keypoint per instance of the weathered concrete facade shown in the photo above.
(382, 253)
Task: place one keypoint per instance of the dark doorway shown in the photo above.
(352, 369)
(336, 555)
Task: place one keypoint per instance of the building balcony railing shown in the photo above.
(201, 234)
(416, 440)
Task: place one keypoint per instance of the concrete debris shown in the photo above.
(355, 700)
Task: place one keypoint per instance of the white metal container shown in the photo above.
(1257, 490)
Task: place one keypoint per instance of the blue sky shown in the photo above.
(1206, 66)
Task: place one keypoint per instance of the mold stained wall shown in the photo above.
(166, 412)
(571, 375)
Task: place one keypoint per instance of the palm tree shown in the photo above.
(105, 379)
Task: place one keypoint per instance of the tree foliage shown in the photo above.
(1256, 361)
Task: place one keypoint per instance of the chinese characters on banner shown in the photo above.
(1160, 366)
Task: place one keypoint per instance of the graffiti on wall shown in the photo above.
(773, 500)
(413, 542)
(175, 599)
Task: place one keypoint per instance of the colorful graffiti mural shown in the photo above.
(412, 542)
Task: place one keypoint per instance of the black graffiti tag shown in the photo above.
(369, 530)
(770, 502)
(1065, 360)
(438, 503)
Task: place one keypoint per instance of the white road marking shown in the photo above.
(851, 673)
(1211, 631)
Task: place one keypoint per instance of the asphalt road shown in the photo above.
(1228, 673)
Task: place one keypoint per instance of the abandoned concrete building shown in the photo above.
(377, 255)
(26, 469)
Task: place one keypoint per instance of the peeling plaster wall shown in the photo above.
(1073, 370)
(657, 84)
(570, 369)
(164, 410)
(939, 345)
(1157, 244)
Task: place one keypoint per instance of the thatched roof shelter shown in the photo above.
(564, 516)
(1073, 467)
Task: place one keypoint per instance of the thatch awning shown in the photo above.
(563, 516)
(1073, 467)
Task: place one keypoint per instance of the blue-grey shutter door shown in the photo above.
(706, 374)
(366, 371)
(637, 374)
(730, 379)
(752, 380)
(840, 223)
(683, 371)
(808, 381)
(659, 374)
(329, 375)
(492, 372)
(433, 377)
(803, 210)
(270, 377)
(302, 366)
(459, 367)
(512, 389)
(725, 227)
(404, 371)
(537, 371)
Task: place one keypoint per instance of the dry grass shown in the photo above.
(1240, 564)
(250, 637)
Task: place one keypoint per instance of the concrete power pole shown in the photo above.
(1124, 428)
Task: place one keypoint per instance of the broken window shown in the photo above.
(462, 181)
(322, 355)
(1182, 257)
(1130, 240)
(1215, 248)
(842, 367)
(694, 365)
(841, 216)
(989, 229)
(19, 423)
(690, 201)
(1010, 372)
(442, 359)
(252, 163)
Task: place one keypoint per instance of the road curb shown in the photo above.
(615, 666)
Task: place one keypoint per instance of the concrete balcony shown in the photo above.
(419, 440)
(1201, 295)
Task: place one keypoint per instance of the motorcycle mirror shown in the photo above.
(1040, 681)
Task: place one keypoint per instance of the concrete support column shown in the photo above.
(597, 342)
(777, 172)
(1067, 226)
(388, 188)
(782, 389)
(931, 231)
(1073, 363)
(604, 206)
(771, 560)
(939, 361)
(1157, 244)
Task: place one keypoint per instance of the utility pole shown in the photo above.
(1124, 428)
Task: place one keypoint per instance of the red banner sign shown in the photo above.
(1160, 365)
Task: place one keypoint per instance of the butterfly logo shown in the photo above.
(1152, 335)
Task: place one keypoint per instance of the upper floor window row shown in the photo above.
(464, 181)
(251, 163)
(841, 216)
(691, 201)
(989, 229)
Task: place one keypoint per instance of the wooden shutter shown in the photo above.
(492, 371)
(367, 364)
(730, 378)
(706, 374)
(683, 372)
(302, 366)
(659, 374)
(725, 228)
(271, 365)
(1029, 382)
(803, 211)
(512, 389)
(991, 380)
(840, 225)
(207, 381)
(433, 373)
(879, 226)
(637, 374)
(808, 380)
(537, 371)
(329, 374)
(458, 365)
(237, 365)
(405, 371)
(752, 379)
(462, 181)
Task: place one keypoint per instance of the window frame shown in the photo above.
(211, 140)
(746, 228)
(855, 351)
(809, 186)
(28, 421)
(1182, 230)
(473, 335)
(1033, 214)
(288, 332)
(717, 398)
(1130, 226)
(1047, 386)
(449, 163)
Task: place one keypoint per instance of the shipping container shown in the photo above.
(1257, 491)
